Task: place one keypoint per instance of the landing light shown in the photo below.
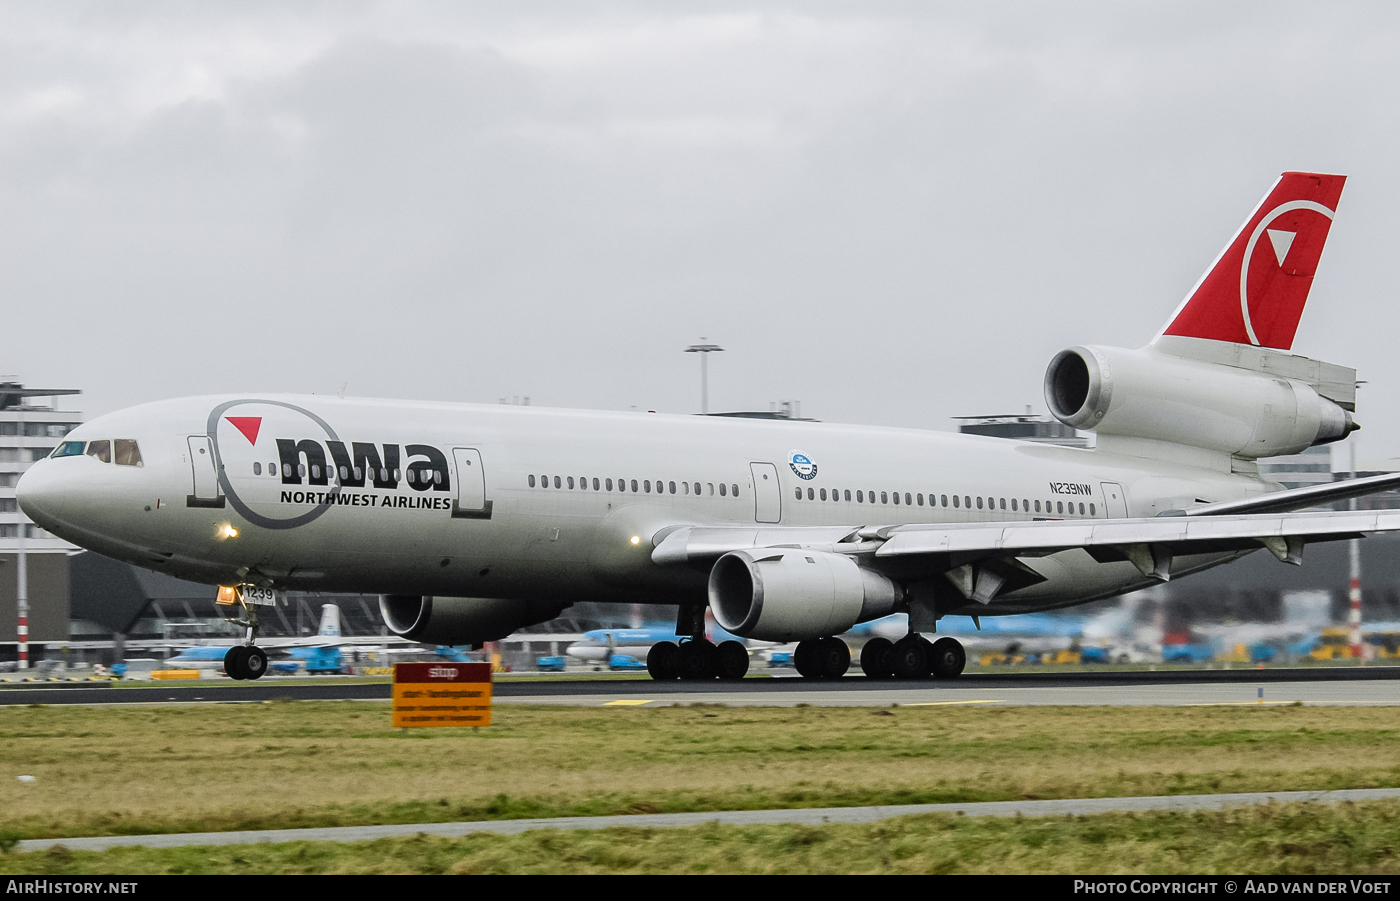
(226, 530)
(636, 540)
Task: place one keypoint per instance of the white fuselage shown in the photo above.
(520, 502)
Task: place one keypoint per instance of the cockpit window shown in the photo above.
(69, 449)
(102, 450)
(128, 454)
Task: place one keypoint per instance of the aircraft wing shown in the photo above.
(961, 550)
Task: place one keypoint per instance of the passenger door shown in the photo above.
(767, 494)
(471, 502)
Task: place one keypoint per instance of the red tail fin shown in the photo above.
(1255, 291)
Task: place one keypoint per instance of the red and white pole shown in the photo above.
(22, 599)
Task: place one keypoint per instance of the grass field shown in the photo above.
(105, 770)
(1352, 839)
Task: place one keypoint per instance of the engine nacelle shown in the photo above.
(452, 621)
(781, 594)
(1147, 394)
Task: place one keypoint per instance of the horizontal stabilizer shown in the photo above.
(1297, 498)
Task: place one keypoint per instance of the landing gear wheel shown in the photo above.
(833, 658)
(233, 662)
(876, 658)
(254, 663)
(731, 660)
(661, 661)
(948, 658)
(696, 660)
(804, 659)
(909, 658)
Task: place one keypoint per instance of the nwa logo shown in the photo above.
(319, 472)
(802, 465)
(303, 461)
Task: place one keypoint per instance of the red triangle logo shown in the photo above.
(248, 425)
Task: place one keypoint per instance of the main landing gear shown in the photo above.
(697, 659)
(912, 657)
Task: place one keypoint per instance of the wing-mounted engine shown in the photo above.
(786, 594)
(457, 621)
(1245, 401)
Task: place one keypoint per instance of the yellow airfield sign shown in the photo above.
(442, 694)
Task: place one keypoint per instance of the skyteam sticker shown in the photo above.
(802, 465)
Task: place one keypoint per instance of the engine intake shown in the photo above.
(452, 621)
(1147, 394)
(792, 595)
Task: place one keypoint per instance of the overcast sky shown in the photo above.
(894, 213)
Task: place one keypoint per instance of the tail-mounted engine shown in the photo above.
(1245, 401)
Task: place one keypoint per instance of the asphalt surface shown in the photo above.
(809, 816)
(1331, 685)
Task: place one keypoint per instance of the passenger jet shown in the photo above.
(472, 521)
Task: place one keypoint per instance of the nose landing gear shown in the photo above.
(245, 661)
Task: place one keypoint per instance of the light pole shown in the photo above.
(704, 350)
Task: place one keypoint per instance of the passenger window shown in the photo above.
(896, 498)
(697, 488)
(608, 483)
(530, 479)
(634, 486)
(734, 490)
(558, 482)
(920, 499)
(571, 482)
(884, 497)
(822, 494)
(722, 488)
(1037, 506)
(907, 498)
(286, 470)
(685, 486)
(956, 500)
(671, 486)
(712, 488)
(1059, 506)
(257, 469)
(102, 450)
(1003, 503)
(646, 486)
(1092, 512)
(798, 489)
(1081, 509)
(811, 495)
(848, 494)
(943, 499)
(979, 502)
(301, 470)
(315, 471)
(860, 497)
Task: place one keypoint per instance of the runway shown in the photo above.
(1350, 685)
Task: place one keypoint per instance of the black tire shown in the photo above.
(254, 663)
(696, 660)
(731, 660)
(833, 658)
(948, 658)
(804, 659)
(875, 659)
(233, 663)
(661, 661)
(909, 658)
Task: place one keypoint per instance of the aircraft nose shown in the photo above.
(42, 494)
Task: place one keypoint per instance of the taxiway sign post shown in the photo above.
(442, 694)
